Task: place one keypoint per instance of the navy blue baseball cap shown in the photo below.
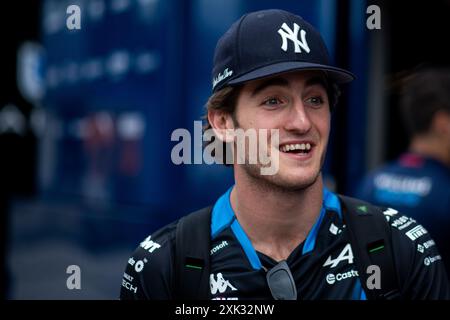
(269, 42)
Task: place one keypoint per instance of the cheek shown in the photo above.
(322, 122)
(244, 116)
(256, 120)
(269, 119)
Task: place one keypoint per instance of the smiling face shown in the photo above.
(297, 105)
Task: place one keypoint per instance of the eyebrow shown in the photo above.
(317, 80)
(282, 82)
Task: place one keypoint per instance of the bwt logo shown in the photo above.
(149, 244)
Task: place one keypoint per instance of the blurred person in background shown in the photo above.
(418, 182)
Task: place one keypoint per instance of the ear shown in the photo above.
(441, 123)
(222, 125)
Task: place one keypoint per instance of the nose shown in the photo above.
(297, 118)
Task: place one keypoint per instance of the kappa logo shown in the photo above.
(345, 255)
(287, 33)
(219, 284)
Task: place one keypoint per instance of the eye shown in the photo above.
(316, 101)
(272, 102)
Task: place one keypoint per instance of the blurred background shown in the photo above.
(86, 118)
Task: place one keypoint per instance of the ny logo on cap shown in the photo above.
(287, 33)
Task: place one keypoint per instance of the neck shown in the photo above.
(431, 147)
(276, 220)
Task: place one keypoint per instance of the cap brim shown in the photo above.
(338, 75)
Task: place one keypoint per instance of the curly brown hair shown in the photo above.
(225, 99)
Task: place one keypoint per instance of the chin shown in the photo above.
(296, 183)
(285, 181)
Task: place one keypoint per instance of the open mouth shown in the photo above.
(296, 148)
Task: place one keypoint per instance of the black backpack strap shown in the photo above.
(192, 263)
(371, 241)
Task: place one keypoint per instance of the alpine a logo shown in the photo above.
(287, 33)
(345, 255)
(222, 76)
(219, 284)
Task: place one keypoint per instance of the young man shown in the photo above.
(418, 183)
(282, 236)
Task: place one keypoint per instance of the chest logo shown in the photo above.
(219, 284)
(345, 255)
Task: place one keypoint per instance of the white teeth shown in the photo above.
(298, 146)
